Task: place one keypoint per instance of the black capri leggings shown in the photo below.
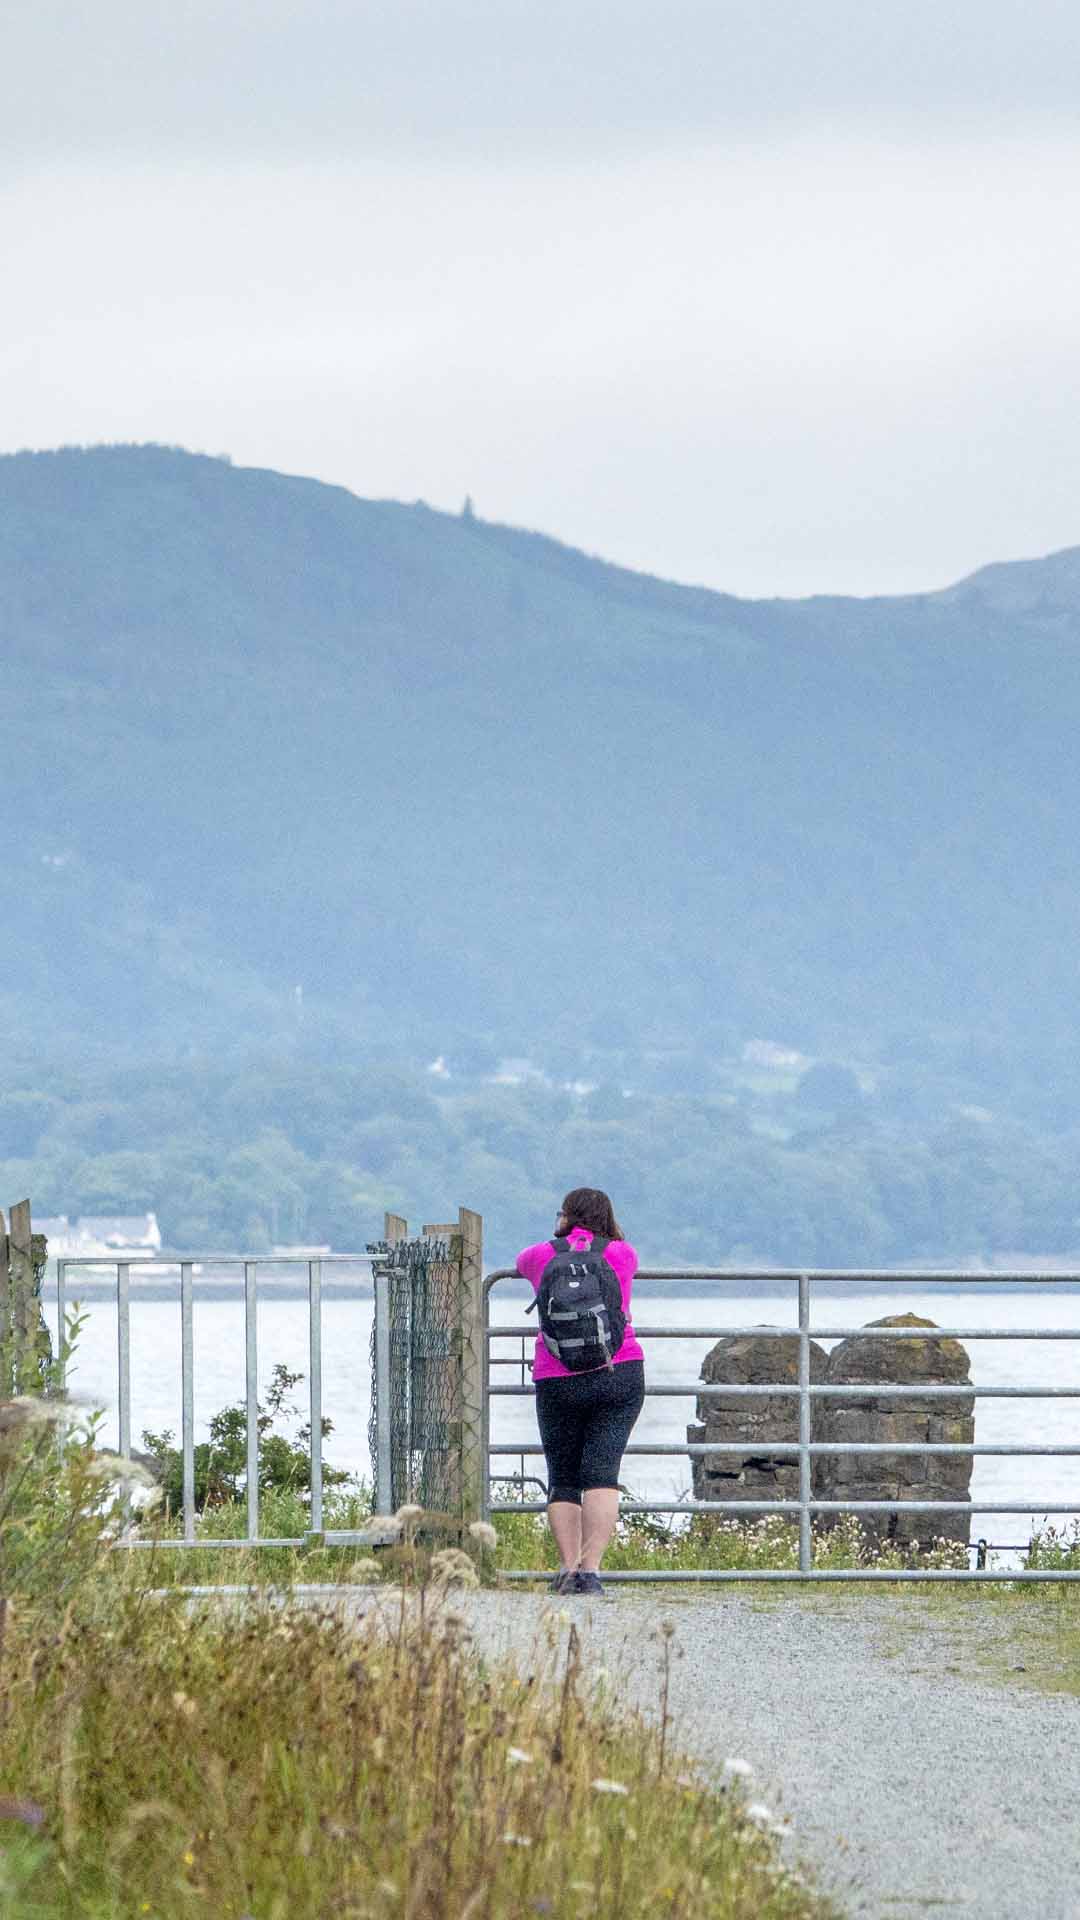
(585, 1422)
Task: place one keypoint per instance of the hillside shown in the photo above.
(455, 779)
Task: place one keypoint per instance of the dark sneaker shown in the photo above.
(563, 1582)
(587, 1583)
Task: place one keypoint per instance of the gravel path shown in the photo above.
(910, 1786)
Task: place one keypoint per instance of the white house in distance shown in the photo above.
(110, 1234)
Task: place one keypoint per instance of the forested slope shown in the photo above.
(474, 793)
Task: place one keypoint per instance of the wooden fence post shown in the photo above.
(474, 1464)
(25, 1347)
(467, 1426)
(7, 1345)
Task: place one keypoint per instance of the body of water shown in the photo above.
(218, 1321)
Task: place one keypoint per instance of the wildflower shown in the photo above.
(735, 1769)
(610, 1786)
(484, 1533)
(365, 1569)
(189, 1858)
(516, 1840)
(31, 1410)
(760, 1814)
(184, 1704)
(408, 1514)
(453, 1568)
(517, 1758)
(115, 1466)
(384, 1530)
(27, 1812)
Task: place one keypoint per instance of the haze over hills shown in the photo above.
(468, 788)
(452, 775)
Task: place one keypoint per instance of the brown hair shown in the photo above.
(588, 1207)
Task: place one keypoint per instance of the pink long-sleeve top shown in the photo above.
(620, 1255)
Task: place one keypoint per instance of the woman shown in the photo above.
(586, 1417)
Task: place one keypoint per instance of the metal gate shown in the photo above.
(804, 1449)
(421, 1374)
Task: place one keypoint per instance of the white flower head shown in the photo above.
(32, 1410)
(452, 1568)
(735, 1769)
(610, 1786)
(365, 1569)
(760, 1814)
(517, 1757)
(484, 1533)
(384, 1530)
(116, 1467)
(516, 1840)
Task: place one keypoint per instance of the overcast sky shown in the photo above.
(782, 298)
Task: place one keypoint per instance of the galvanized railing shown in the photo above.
(250, 1265)
(804, 1449)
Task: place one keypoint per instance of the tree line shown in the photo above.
(268, 1151)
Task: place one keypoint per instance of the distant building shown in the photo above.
(105, 1233)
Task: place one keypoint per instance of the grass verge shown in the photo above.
(163, 1759)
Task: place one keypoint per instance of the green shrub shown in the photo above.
(221, 1462)
(63, 1498)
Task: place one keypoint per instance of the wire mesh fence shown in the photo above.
(414, 1412)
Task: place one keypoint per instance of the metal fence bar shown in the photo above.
(350, 1537)
(315, 1382)
(817, 1333)
(251, 1389)
(187, 1392)
(791, 1449)
(805, 1547)
(843, 1276)
(965, 1575)
(818, 1506)
(760, 1276)
(123, 1369)
(696, 1389)
(61, 1316)
(384, 1492)
(485, 1400)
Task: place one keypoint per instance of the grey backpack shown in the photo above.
(579, 1300)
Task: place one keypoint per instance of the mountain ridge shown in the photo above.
(287, 736)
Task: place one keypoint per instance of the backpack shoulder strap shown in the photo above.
(599, 1243)
(560, 1245)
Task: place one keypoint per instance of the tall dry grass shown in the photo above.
(159, 1760)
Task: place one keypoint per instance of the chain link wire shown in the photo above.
(424, 1368)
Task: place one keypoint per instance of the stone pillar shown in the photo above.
(754, 1473)
(897, 1476)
